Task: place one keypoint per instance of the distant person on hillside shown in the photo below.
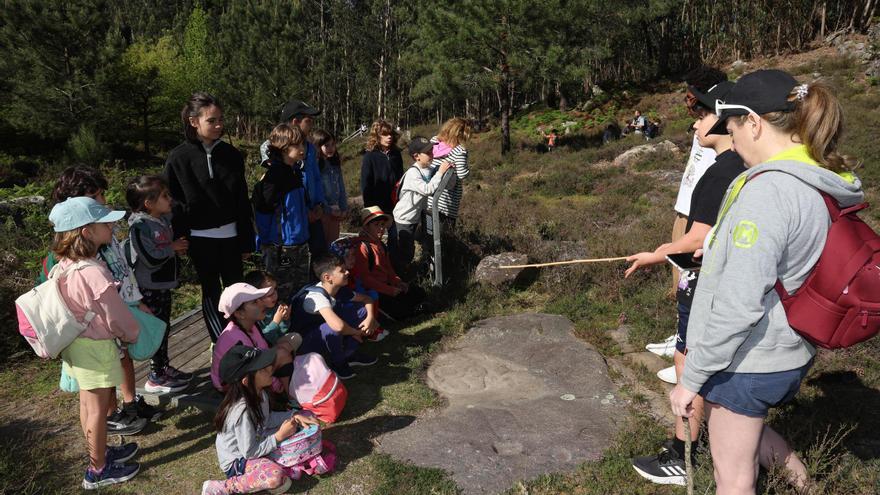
(652, 129)
(668, 467)
(701, 78)
(637, 124)
(297, 113)
(381, 168)
(612, 133)
(211, 207)
(551, 139)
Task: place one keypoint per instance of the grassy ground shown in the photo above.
(566, 204)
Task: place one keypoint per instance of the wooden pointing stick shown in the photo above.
(557, 263)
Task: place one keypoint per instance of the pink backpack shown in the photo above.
(317, 388)
(305, 452)
(44, 319)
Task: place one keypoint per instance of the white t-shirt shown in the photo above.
(315, 301)
(700, 161)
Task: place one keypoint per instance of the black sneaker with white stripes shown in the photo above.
(665, 468)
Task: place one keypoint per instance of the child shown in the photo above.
(325, 327)
(135, 413)
(206, 178)
(373, 266)
(416, 186)
(344, 249)
(450, 146)
(154, 257)
(247, 431)
(239, 303)
(277, 320)
(82, 225)
(335, 197)
(281, 202)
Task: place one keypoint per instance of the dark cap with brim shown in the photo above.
(762, 92)
(713, 94)
(297, 108)
(241, 360)
(420, 144)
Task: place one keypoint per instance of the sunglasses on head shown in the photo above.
(720, 106)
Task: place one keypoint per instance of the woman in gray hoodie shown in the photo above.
(743, 357)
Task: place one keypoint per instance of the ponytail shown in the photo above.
(193, 108)
(817, 121)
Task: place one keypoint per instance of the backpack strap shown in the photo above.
(58, 272)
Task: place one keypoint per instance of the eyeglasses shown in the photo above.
(720, 106)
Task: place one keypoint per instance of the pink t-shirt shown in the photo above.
(231, 336)
(91, 288)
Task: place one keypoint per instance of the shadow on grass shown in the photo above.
(29, 459)
(354, 441)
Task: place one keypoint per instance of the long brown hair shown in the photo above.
(817, 122)
(455, 131)
(377, 130)
(237, 391)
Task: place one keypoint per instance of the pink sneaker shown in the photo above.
(214, 487)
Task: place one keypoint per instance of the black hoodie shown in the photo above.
(209, 197)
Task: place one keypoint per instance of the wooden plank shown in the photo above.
(194, 336)
(186, 318)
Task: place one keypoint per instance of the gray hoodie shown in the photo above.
(775, 228)
(150, 252)
(240, 437)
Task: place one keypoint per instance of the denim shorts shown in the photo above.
(684, 313)
(753, 394)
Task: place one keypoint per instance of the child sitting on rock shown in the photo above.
(328, 327)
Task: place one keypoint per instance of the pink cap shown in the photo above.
(237, 294)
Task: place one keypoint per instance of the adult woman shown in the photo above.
(743, 356)
(206, 179)
(381, 168)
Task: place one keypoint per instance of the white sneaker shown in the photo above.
(667, 375)
(665, 348)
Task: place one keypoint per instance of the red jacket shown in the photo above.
(373, 266)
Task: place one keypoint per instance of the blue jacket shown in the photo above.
(312, 176)
(291, 214)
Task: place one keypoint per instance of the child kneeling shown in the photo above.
(328, 327)
(247, 430)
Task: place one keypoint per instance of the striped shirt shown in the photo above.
(450, 198)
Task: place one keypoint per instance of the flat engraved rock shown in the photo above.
(505, 418)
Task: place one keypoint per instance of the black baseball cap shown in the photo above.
(297, 108)
(241, 360)
(420, 144)
(716, 92)
(762, 91)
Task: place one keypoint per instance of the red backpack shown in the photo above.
(839, 303)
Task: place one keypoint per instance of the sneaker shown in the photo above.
(344, 372)
(125, 423)
(118, 454)
(177, 374)
(379, 336)
(665, 348)
(142, 409)
(665, 468)
(162, 384)
(668, 375)
(214, 487)
(359, 359)
(110, 475)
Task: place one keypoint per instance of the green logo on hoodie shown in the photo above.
(745, 234)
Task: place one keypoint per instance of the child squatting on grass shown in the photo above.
(82, 225)
(247, 431)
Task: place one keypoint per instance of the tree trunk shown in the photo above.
(146, 116)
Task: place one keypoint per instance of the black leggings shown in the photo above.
(215, 259)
